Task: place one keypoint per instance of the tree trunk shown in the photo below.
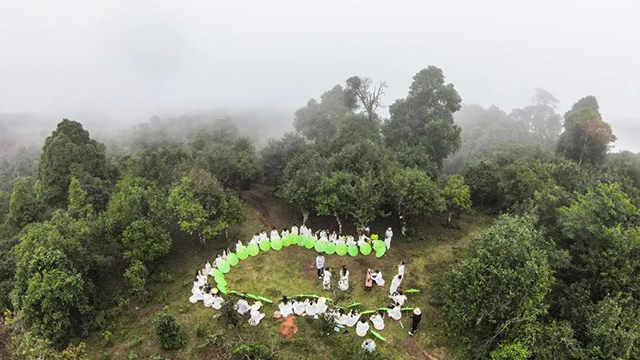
(339, 223)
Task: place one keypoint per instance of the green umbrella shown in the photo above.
(309, 242)
(321, 246)
(381, 252)
(222, 288)
(353, 250)
(254, 297)
(276, 244)
(265, 299)
(374, 237)
(375, 333)
(300, 240)
(288, 240)
(253, 249)
(232, 259)
(216, 273)
(224, 266)
(411, 291)
(265, 245)
(221, 280)
(406, 309)
(365, 249)
(378, 244)
(341, 249)
(367, 312)
(354, 304)
(242, 253)
(236, 292)
(383, 308)
(330, 248)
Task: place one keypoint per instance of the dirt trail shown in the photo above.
(254, 198)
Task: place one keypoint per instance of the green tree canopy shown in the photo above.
(319, 121)
(23, 206)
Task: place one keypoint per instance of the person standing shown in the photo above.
(415, 320)
(326, 282)
(401, 268)
(320, 265)
(395, 283)
(387, 238)
(343, 283)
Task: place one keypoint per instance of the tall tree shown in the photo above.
(70, 151)
(586, 137)
(318, 121)
(23, 206)
(277, 154)
(540, 119)
(366, 94)
(424, 119)
(301, 181)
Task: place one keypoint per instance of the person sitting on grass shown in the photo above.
(310, 308)
(294, 229)
(378, 320)
(217, 300)
(321, 306)
(399, 297)
(394, 312)
(369, 345)
(342, 318)
(362, 328)
(376, 276)
(353, 318)
(298, 307)
(350, 240)
(242, 306)
(197, 295)
(207, 298)
(239, 245)
(255, 315)
(285, 307)
(284, 232)
(274, 234)
(263, 235)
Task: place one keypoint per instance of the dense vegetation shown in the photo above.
(84, 227)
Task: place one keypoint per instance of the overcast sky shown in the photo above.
(127, 59)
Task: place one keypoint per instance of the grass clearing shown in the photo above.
(291, 271)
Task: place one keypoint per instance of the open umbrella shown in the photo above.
(265, 245)
(330, 248)
(253, 249)
(224, 266)
(243, 253)
(232, 259)
(365, 249)
(276, 244)
(353, 250)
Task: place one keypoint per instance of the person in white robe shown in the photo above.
(217, 300)
(263, 235)
(303, 230)
(284, 232)
(362, 328)
(285, 307)
(351, 240)
(399, 297)
(224, 255)
(323, 235)
(321, 306)
(242, 306)
(378, 321)
(255, 239)
(343, 283)
(342, 318)
(362, 239)
(255, 316)
(310, 308)
(326, 281)
(239, 245)
(197, 296)
(207, 268)
(207, 299)
(395, 283)
(274, 234)
(196, 283)
(320, 265)
(333, 237)
(353, 318)
(369, 345)
(294, 230)
(218, 259)
(387, 238)
(298, 307)
(401, 268)
(394, 312)
(377, 278)
(340, 240)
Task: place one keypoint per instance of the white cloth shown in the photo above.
(310, 309)
(395, 313)
(326, 281)
(401, 270)
(243, 307)
(256, 316)
(395, 283)
(298, 308)
(377, 277)
(369, 345)
(343, 283)
(294, 230)
(285, 309)
(378, 322)
(400, 299)
(217, 302)
(274, 234)
(319, 262)
(321, 306)
(352, 319)
(207, 300)
(387, 238)
(362, 328)
(197, 296)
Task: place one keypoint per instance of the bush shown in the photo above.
(168, 331)
(251, 351)
(229, 314)
(107, 337)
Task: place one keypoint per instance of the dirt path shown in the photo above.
(254, 198)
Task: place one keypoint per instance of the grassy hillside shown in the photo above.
(292, 271)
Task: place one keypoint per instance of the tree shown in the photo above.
(540, 119)
(278, 153)
(23, 206)
(456, 196)
(612, 329)
(413, 194)
(502, 284)
(366, 94)
(5, 204)
(69, 151)
(425, 117)
(234, 163)
(78, 205)
(203, 206)
(586, 137)
(483, 179)
(301, 180)
(168, 331)
(145, 241)
(318, 121)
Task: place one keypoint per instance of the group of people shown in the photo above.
(203, 291)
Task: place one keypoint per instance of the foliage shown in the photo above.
(413, 194)
(233, 162)
(229, 314)
(23, 206)
(586, 137)
(302, 178)
(69, 151)
(319, 121)
(456, 195)
(203, 206)
(78, 205)
(168, 331)
(425, 117)
(136, 276)
(512, 351)
(278, 153)
(502, 284)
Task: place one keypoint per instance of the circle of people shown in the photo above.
(209, 295)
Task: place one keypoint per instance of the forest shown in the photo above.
(93, 231)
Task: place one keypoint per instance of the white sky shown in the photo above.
(127, 60)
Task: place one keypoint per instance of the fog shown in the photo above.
(119, 62)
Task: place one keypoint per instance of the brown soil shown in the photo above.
(288, 327)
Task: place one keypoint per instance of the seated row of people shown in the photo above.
(308, 307)
(243, 308)
(208, 295)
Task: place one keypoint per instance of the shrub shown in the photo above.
(229, 314)
(107, 337)
(252, 351)
(168, 331)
